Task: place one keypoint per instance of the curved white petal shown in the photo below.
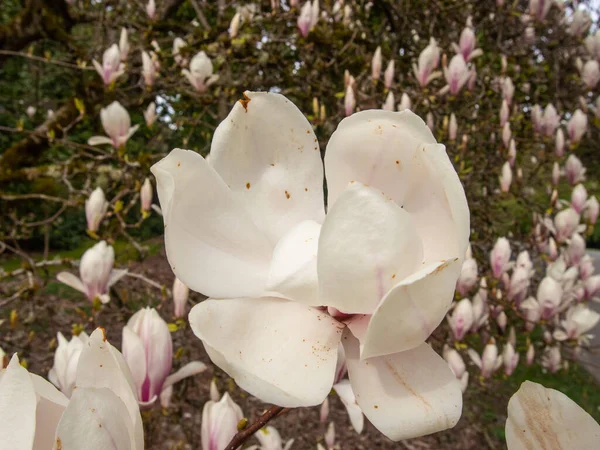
(190, 369)
(103, 416)
(212, 244)
(411, 310)
(116, 275)
(135, 356)
(405, 395)
(367, 244)
(17, 407)
(344, 391)
(268, 154)
(280, 351)
(294, 266)
(539, 417)
(50, 407)
(99, 140)
(72, 281)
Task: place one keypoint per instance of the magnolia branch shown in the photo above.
(248, 432)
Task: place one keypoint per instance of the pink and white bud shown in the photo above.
(512, 152)
(390, 103)
(580, 22)
(151, 9)
(95, 209)
(455, 361)
(112, 67)
(219, 422)
(148, 69)
(577, 126)
(200, 75)
(330, 436)
(591, 287)
(461, 319)
(66, 358)
(591, 210)
(552, 249)
(555, 173)
(530, 354)
(388, 75)
(376, 64)
(506, 177)
(510, 359)
(551, 359)
(508, 90)
(181, 294)
(178, 44)
(234, 25)
(468, 276)
(592, 44)
(150, 114)
(504, 113)
(549, 294)
(405, 102)
(586, 267)
(30, 111)
(467, 43)
(590, 73)
(146, 194)
(574, 170)
(519, 284)
(502, 320)
(579, 320)
(124, 44)
(452, 128)
(532, 311)
(489, 361)
(430, 121)
(565, 224)
(305, 19)
(551, 120)
(506, 134)
(578, 198)
(537, 118)
(500, 257)
(575, 250)
(428, 61)
(349, 101)
(560, 142)
(314, 14)
(539, 8)
(457, 74)
(117, 125)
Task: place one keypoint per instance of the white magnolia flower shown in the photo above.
(249, 231)
(95, 209)
(112, 67)
(117, 125)
(66, 358)
(545, 418)
(200, 75)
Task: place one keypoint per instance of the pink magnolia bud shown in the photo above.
(539, 8)
(560, 142)
(565, 223)
(95, 209)
(430, 121)
(150, 114)
(502, 320)
(148, 69)
(499, 257)
(555, 173)
(590, 74)
(506, 177)
(234, 25)
(504, 113)
(388, 76)
(452, 128)
(552, 249)
(519, 283)
(578, 198)
(111, 67)
(178, 44)
(405, 102)
(590, 212)
(468, 276)
(200, 73)
(146, 194)
(457, 74)
(124, 44)
(574, 170)
(537, 118)
(66, 357)
(552, 359)
(117, 125)
(390, 103)
(330, 436)
(428, 62)
(181, 294)
(532, 311)
(349, 101)
(506, 134)
(219, 422)
(551, 120)
(489, 359)
(549, 294)
(508, 90)
(530, 354)
(510, 359)
(577, 126)
(586, 267)
(512, 152)
(455, 361)
(376, 65)
(591, 286)
(575, 249)
(151, 9)
(461, 319)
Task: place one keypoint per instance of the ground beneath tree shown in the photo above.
(57, 308)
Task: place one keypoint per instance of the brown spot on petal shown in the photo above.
(58, 444)
(306, 189)
(376, 406)
(287, 194)
(103, 334)
(247, 185)
(178, 164)
(244, 101)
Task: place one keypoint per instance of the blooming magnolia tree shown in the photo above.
(395, 211)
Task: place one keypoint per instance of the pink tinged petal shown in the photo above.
(72, 281)
(50, 407)
(115, 275)
(344, 391)
(411, 310)
(103, 416)
(212, 244)
(99, 140)
(368, 243)
(17, 407)
(407, 394)
(268, 154)
(545, 418)
(135, 356)
(282, 352)
(293, 270)
(190, 369)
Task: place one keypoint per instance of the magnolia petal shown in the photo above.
(99, 140)
(212, 244)
(268, 154)
(407, 394)
(410, 312)
(17, 407)
(294, 266)
(50, 407)
(539, 417)
(282, 352)
(190, 369)
(72, 281)
(101, 413)
(135, 356)
(116, 275)
(368, 243)
(344, 391)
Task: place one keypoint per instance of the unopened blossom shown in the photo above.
(234, 25)
(510, 359)
(506, 177)
(539, 8)
(430, 121)
(591, 210)
(592, 44)
(314, 14)
(219, 422)
(580, 22)
(560, 142)
(577, 126)
(452, 128)
(532, 311)
(376, 65)
(66, 358)
(552, 359)
(500, 257)
(304, 21)
(489, 361)
(349, 101)
(124, 44)
(549, 294)
(466, 45)
(150, 114)
(457, 365)
(200, 74)
(519, 283)
(512, 152)
(112, 67)
(456, 74)
(586, 266)
(390, 102)
(181, 294)
(249, 231)
(117, 125)
(96, 273)
(578, 198)
(35, 415)
(461, 319)
(575, 250)
(270, 439)
(95, 209)
(579, 320)
(146, 194)
(591, 286)
(504, 113)
(550, 120)
(428, 61)
(502, 320)
(552, 249)
(214, 392)
(530, 354)
(566, 223)
(537, 118)
(178, 44)
(468, 276)
(590, 73)
(506, 134)
(574, 170)
(563, 425)
(30, 111)
(388, 75)
(148, 69)
(148, 350)
(508, 90)
(151, 9)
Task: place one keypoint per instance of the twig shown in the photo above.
(44, 60)
(145, 279)
(247, 433)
